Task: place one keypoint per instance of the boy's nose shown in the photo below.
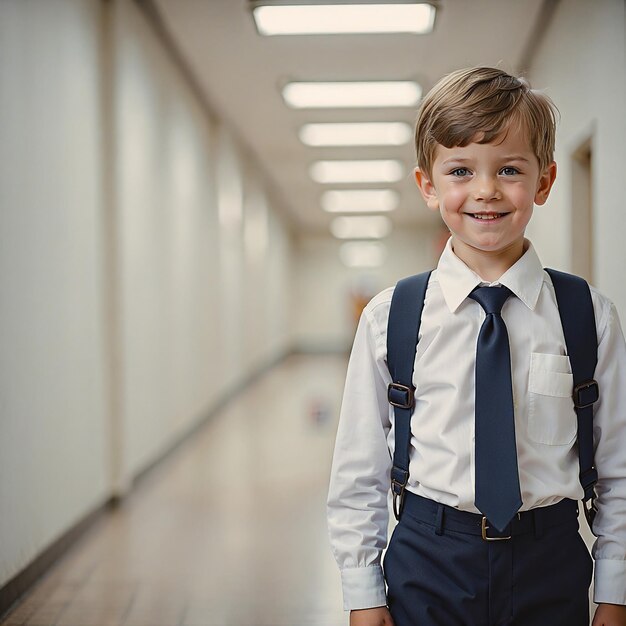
(486, 189)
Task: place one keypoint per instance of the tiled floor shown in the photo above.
(229, 531)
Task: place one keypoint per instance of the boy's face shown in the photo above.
(486, 193)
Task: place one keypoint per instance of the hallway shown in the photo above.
(173, 224)
(229, 530)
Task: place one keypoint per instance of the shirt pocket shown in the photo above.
(551, 416)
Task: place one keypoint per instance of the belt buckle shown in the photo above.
(485, 528)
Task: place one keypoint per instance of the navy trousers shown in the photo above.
(441, 572)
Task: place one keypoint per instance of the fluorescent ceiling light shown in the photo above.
(359, 200)
(356, 134)
(361, 227)
(363, 253)
(385, 93)
(372, 171)
(327, 19)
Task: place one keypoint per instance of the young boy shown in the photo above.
(485, 144)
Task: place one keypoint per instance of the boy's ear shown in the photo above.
(546, 180)
(427, 189)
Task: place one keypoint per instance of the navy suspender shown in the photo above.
(573, 299)
(579, 329)
(405, 316)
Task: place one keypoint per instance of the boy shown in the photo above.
(485, 145)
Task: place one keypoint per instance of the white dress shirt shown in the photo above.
(442, 427)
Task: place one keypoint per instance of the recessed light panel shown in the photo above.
(356, 134)
(359, 200)
(361, 227)
(330, 19)
(371, 171)
(353, 94)
(363, 253)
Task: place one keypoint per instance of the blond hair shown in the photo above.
(478, 105)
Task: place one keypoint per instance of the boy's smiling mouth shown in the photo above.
(487, 216)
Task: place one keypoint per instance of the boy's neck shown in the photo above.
(490, 266)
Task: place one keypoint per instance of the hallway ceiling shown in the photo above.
(240, 73)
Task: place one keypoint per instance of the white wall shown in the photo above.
(142, 273)
(197, 235)
(168, 235)
(53, 450)
(581, 65)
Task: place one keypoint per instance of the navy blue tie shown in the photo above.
(498, 495)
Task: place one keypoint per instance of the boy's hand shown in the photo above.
(378, 616)
(609, 615)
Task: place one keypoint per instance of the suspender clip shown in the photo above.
(397, 498)
(590, 509)
(399, 479)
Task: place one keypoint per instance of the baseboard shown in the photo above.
(11, 592)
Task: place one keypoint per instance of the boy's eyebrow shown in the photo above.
(511, 157)
(455, 160)
(516, 157)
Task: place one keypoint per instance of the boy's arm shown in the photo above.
(357, 498)
(379, 616)
(609, 550)
(610, 615)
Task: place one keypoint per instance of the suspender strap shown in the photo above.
(402, 336)
(579, 328)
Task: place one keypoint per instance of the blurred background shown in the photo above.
(189, 229)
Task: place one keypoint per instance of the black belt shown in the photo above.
(444, 517)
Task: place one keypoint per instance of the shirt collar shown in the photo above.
(457, 280)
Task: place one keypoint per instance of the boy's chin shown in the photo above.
(487, 248)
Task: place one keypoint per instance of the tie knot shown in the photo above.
(492, 299)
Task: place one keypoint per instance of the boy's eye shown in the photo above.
(460, 171)
(509, 171)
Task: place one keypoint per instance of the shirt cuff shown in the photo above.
(610, 582)
(363, 587)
